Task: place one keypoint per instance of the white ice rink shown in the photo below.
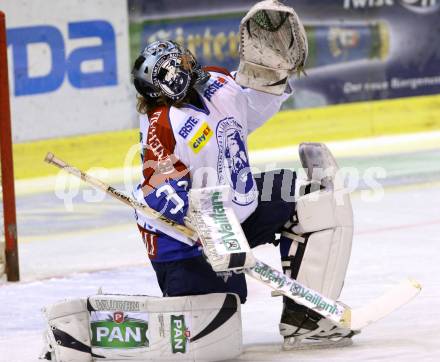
(395, 237)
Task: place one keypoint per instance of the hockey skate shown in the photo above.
(303, 328)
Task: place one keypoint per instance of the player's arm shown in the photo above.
(258, 106)
(166, 178)
(261, 107)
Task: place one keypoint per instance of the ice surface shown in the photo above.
(395, 237)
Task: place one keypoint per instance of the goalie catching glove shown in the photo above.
(273, 46)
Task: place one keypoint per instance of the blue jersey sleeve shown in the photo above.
(170, 199)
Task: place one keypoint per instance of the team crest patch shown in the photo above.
(233, 162)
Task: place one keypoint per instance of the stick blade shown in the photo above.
(386, 304)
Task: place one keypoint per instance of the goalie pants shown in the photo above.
(194, 276)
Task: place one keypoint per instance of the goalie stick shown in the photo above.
(166, 223)
(338, 312)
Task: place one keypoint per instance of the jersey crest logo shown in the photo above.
(201, 138)
(233, 163)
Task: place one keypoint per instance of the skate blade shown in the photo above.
(321, 344)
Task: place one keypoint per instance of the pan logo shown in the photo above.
(419, 6)
(46, 73)
(180, 334)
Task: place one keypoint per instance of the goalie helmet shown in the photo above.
(164, 68)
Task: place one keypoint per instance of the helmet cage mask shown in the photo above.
(165, 68)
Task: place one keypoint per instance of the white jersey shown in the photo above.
(211, 142)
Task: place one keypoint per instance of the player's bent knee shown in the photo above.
(123, 327)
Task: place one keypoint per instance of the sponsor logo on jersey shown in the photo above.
(201, 138)
(418, 6)
(118, 330)
(180, 334)
(214, 87)
(233, 163)
(188, 126)
(153, 140)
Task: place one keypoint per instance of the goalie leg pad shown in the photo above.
(142, 328)
(67, 336)
(321, 233)
(322, 228)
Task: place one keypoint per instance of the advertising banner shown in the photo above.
(69, 67)
(358, 49)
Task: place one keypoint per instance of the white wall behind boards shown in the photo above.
(69, 70)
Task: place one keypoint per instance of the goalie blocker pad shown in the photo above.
(220, 232)
(143, 328)
(273, 45)
(323, 231)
